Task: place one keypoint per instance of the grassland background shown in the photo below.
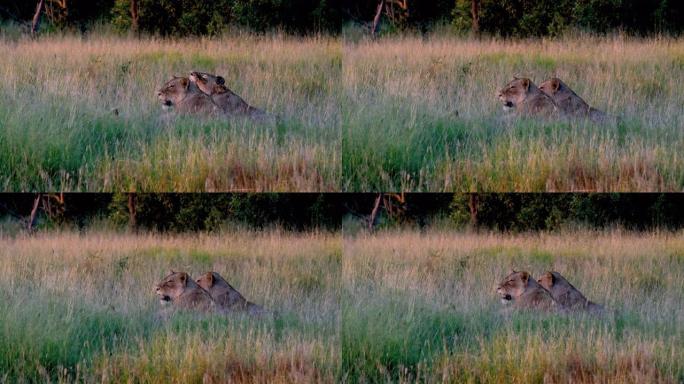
(400, 113)
(57, 132)
(82, 308)
(423, 116)
(423, 307)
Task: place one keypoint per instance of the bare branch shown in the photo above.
(35, 24)
(34, 212)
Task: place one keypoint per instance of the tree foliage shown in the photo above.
(518, 18)
(522, 18)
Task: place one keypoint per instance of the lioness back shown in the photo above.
(227, 100)
(569, 103)
(227, 297)
(565, 293)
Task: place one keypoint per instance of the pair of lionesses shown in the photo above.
(205, 94)
(210, 292)
(551, 292)
(552, 98)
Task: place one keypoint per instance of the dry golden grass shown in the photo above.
(424, 307)
(425, 115)
(81, 308)
(59, 133)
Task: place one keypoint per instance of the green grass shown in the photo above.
(82, 309)
(400, 113)
(58, 132)
(422, 115)
(423, 308)
(396, 306)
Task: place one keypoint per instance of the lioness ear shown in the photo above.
(184, 278)
(172, 272)
(211, 279)
(525, 276)
(555, 84)
(526, 83)
(185, 82)
(220, 80)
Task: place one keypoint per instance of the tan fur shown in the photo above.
(523, 292)
(569, 103)
(227, 297)
(179, 289)
(526, 99)
(566, 294)
(185, 97)
(227, 100)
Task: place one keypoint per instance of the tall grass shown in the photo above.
(423, 307)
(81, 308)
(422, 115)
(58, 132)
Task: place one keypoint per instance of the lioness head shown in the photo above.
(513, 286)
(172, 286)
(547, 280)
(515, 92)
(207, 280)
(208, 83)
(174, 91)
(552, 86)
(216, 285)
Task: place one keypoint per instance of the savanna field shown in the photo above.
(395, 306)
(422, 307)
(58, 130)
(81, 308)
(400, 113)
(425, 116)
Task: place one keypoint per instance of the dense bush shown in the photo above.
(175, 17)
(532, 212)
(523, 18)
(502, 17)
(210, 17)
(199, 212)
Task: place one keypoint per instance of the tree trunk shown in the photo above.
(134, 16)
(36, 17)
(475, 11)
(376, 20)
(473, 205)
(34, 213)
(132, 222)
(374, 213)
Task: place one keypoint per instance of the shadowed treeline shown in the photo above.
(508, 212)
(508, 17)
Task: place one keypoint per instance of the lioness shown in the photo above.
(566, 294)
(569, 103)
(523, 96)
(179, 289)
(227, 100)
(227, 297)
(184, 96)
(524, 293)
